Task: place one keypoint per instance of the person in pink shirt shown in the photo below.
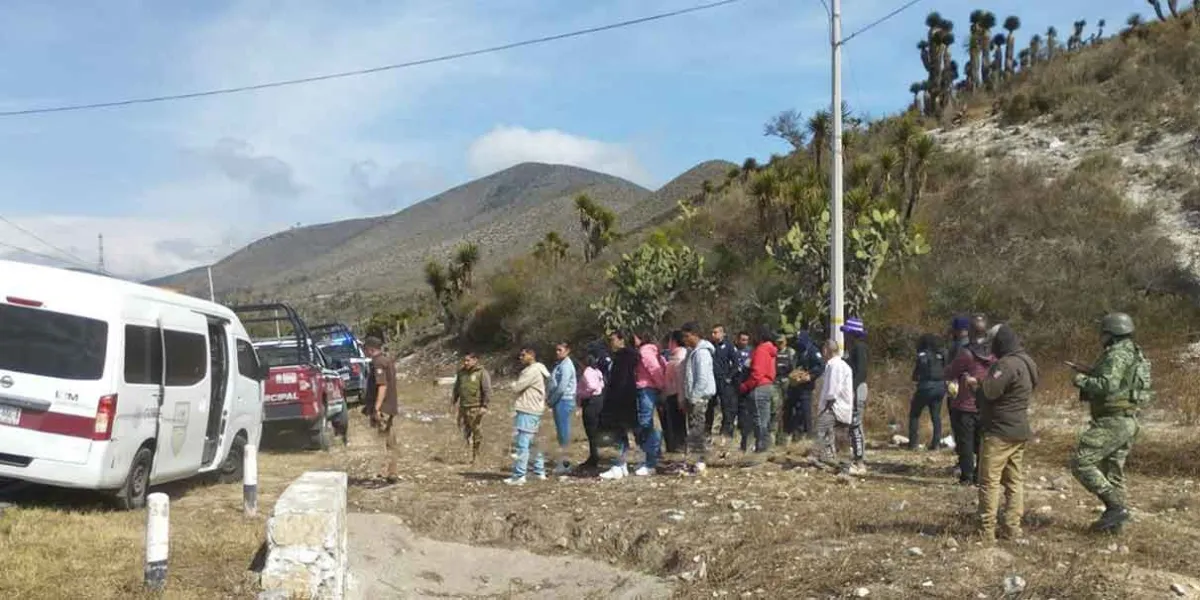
(590, 393)
(670, 410)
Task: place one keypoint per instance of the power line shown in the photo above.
(70, 257)
(32, 252)
(366, 71)
(872, 24)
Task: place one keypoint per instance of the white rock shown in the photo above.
(1014, 584)
(1179, 589)
(915, 551)
(899, 440)
(738, 504)
(927, 584)
(862, 592)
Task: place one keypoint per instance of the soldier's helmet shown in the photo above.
(1117, 324)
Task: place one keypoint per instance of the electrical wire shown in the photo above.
(877, 22)
(70, 257)
(365, 71)
(34, 253)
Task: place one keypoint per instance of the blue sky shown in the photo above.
(174, 185)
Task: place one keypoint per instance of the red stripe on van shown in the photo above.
(51, 422)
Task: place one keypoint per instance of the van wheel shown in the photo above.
(231, 469)
(132, 495)
(319, 434)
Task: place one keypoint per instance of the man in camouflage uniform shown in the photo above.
(1115, 387)
(472, 392)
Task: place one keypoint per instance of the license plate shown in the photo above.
(10, 415)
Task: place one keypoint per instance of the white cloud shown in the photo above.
(134, 247)
(506, 146)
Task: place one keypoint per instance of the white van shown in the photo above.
(111, 385)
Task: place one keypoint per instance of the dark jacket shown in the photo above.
(973, 360)
(724, 362)
(857, 359)
(620, 393)
(808, 357)
(929, 367)
(1008, 389)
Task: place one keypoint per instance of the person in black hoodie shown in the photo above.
(1004, 418)
(931, 390)
(618, 416)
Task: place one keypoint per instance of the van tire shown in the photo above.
(132, 495)
(319, 434)
(230, 471)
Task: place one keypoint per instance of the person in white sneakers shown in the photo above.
(630, 402)
(836, 404)
(699, 388)
(530, 405)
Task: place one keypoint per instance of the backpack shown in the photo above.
(1140, 384)
(931, 368)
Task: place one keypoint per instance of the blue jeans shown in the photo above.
(756, 417)
(526, 427)
(564, 411)
(647, 437)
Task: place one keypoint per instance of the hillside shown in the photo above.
(504, 213)
(665, 200)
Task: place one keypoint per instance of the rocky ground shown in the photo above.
(783, 528)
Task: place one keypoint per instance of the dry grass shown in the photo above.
(60, 544)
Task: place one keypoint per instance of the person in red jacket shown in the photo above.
(969, 367)
(758, 389)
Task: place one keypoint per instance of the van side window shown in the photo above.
(187, 358)
(143, 355)
(247, 360)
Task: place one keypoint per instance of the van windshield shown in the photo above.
(52, 344)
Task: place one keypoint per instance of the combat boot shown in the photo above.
(1115, 515)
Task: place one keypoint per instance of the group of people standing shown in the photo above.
(766, 390)
(990, 380)
(763, 388)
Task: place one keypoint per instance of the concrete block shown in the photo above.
(306, 540)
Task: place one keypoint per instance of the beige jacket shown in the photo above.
(531, 389)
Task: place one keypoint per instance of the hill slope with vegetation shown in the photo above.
(934, 228)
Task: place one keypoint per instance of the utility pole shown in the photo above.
(211, 295)
(836, 283)
(101, 241)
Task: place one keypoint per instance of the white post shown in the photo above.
(250, 479)
(158, 518)
(212, 296)
(836, 283)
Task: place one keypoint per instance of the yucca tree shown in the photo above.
(1095, 37)
(1157, 9)
(987, 22)
(1011, 25)
(1051, 42)
(915, 89)
(466, 258)
(974, 49)
(889, 161)
(749, 167)
(1075, 42)
(922, 153)
(996, 72)
(1173, 6)
(820, 127)
(1023, 58)
(1035, 49)
(1134, 25)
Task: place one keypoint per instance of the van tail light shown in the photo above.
(23, 302)
(106, 413)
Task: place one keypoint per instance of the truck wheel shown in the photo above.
(231, 470)
(319, 434)
(132, 495)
